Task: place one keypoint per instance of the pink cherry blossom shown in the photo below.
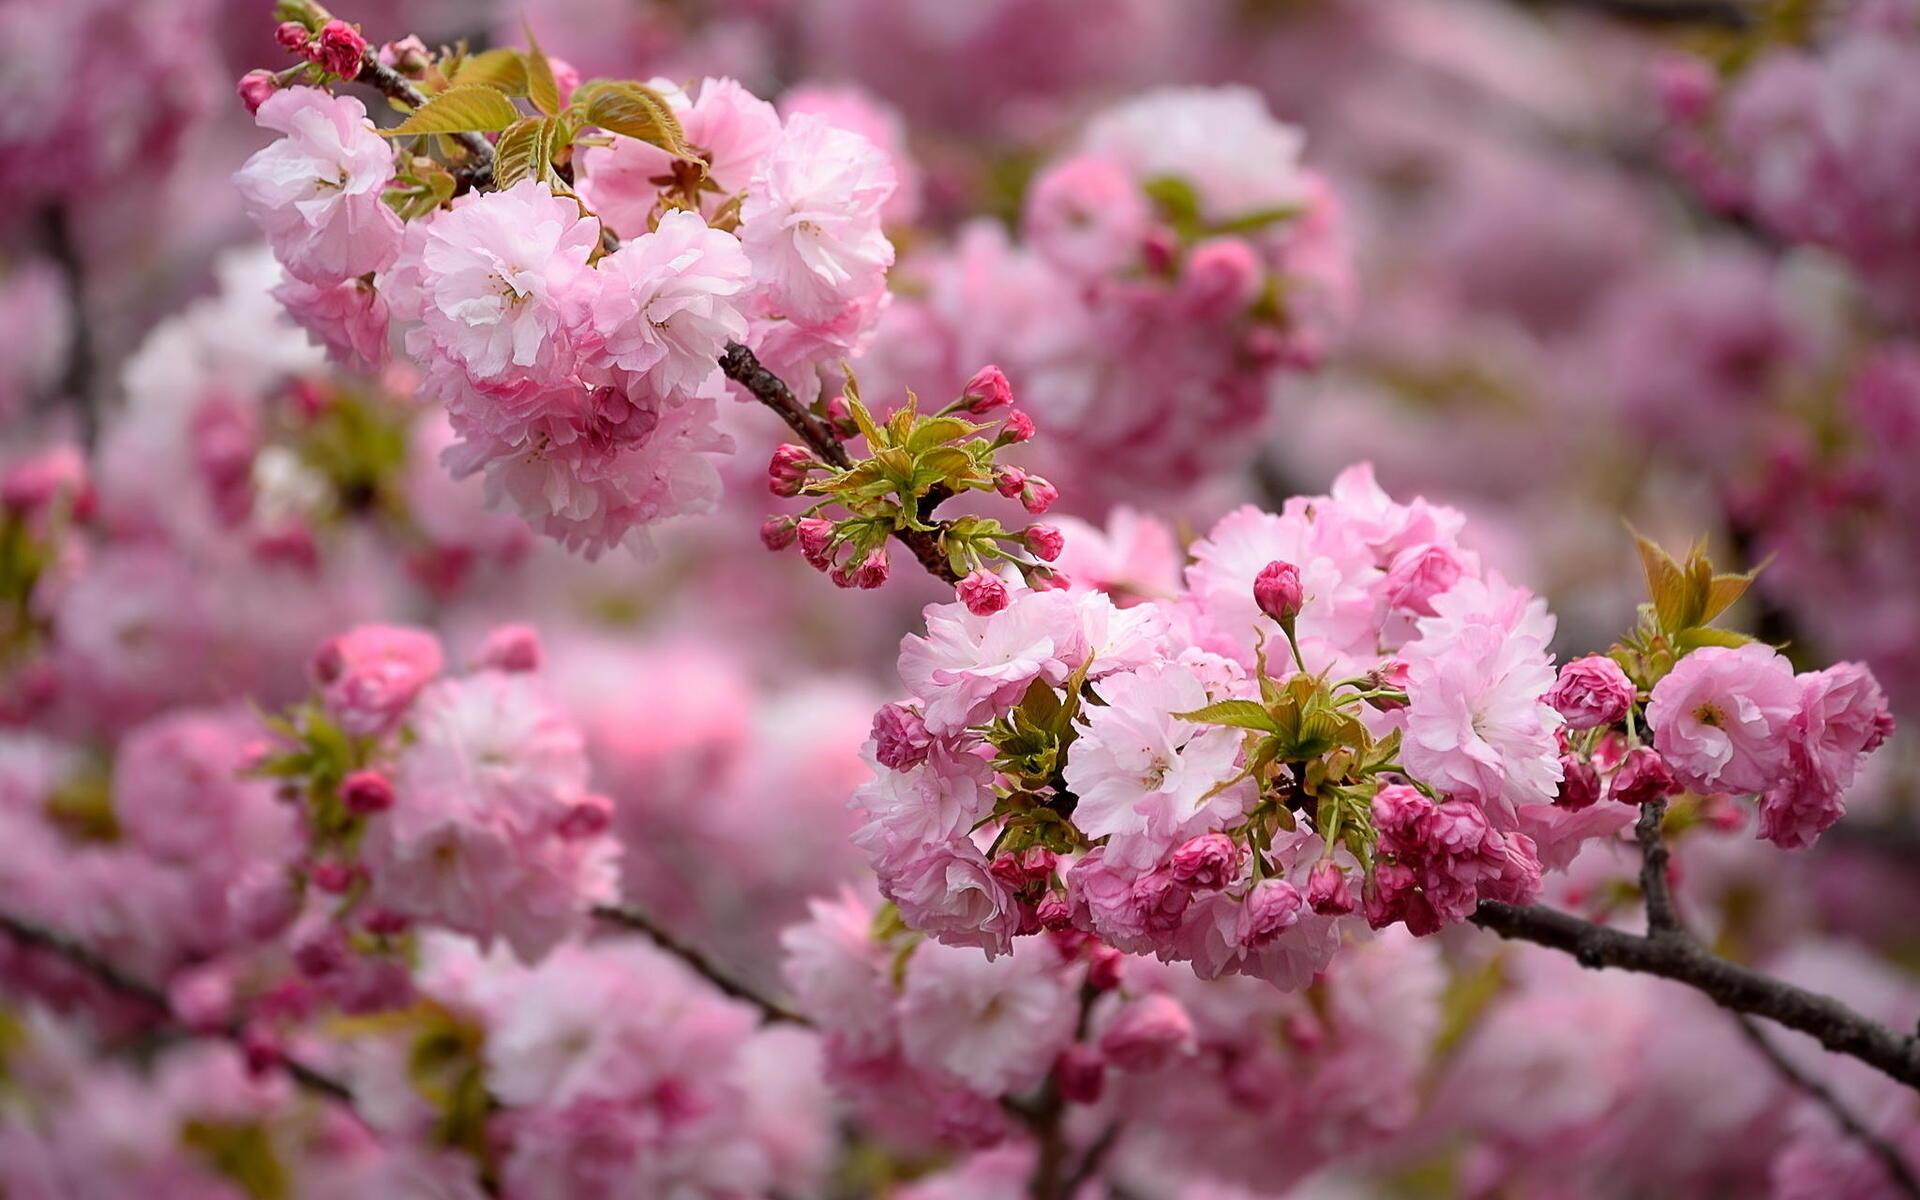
(316, 192)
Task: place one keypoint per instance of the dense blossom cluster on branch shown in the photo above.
(1043, 743)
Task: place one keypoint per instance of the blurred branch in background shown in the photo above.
(78, 381)
(1897, 1168)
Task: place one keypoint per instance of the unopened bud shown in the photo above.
(366, 792)
(1017, 428)
(1277, 591)
(254, 89)
(339, 48)
(1045, 542)
(983, 593)
(988, 391)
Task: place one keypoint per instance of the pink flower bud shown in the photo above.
(1160, 249)
(983, 593)
(1269, 910)
(1205, 863)
(1591, 692)
(1418, 574)
(1103, 967)
(1148, 1033)
(254, 88)
(590, 816)
(1038, 495)
(333, 876)
(260, 1048)
(339, 48)
(1045, 542)
(1079, 1074)
(202, 997)
(370, 675)
(1686, 86)
(777, 533)
(840, 418)
(988, 391)
(1021, 871)
(384, 922)
(55, 473)
(873, 569)
(514, 649)
(1327, 890)
(900, 737)
(1579, 784)
(816, 541)
(1017, 428)
(366, 792)
(1054, 912)
(1643, 778)
(787, 470)
(1277, 591)
(1222, 277)
(291, 35)
(1009, 481)
(408, 56)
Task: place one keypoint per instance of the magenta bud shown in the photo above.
(292, 36)
(1017, 428)
(1038, 496)
(1205, 863)
(254, 89)
(1278, 592)
(988, 391)
(1643, 778)
(364, 792)
(1045, 542)
(983, 593)
(1327, 890)
(1080, 1074)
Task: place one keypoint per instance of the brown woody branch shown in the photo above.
(698, 962)
(151, 997)
(1843, 1116)
(1728, 984)
(740, 365)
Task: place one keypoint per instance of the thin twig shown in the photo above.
(1897, 1168)
(1093, 1159)
(1728, 984)
(740, 365)
(79, 377)
(139, 990)
(698, 961)
(1725, 14)
(1662, 920)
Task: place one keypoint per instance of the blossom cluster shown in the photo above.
(1171, 268)
(574, 339)
(456, 801)
(1140, 770)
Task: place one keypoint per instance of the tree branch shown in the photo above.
(740, 365)
(1897, 1168)
(146, 994)
(1662, 920)
(698, 961)
(79, 377)
(1726, 14)
(1728, 984)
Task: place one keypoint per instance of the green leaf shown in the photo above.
(242, 1152)
(875, 436)
(1258, 219)
(504, 69)
(463, 108)
(1707, 635)
(1241, 714)
(1724, 590)
(633, 110)
(937, 431)
(1668, 585)
(542, 88)
(1176, 198)
(527, 150)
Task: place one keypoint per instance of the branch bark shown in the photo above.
(148, 995)
(1728, 984)
(79, 376)
(698, 962)
(1897, 1169)
(740, 365)
(1662, 919)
